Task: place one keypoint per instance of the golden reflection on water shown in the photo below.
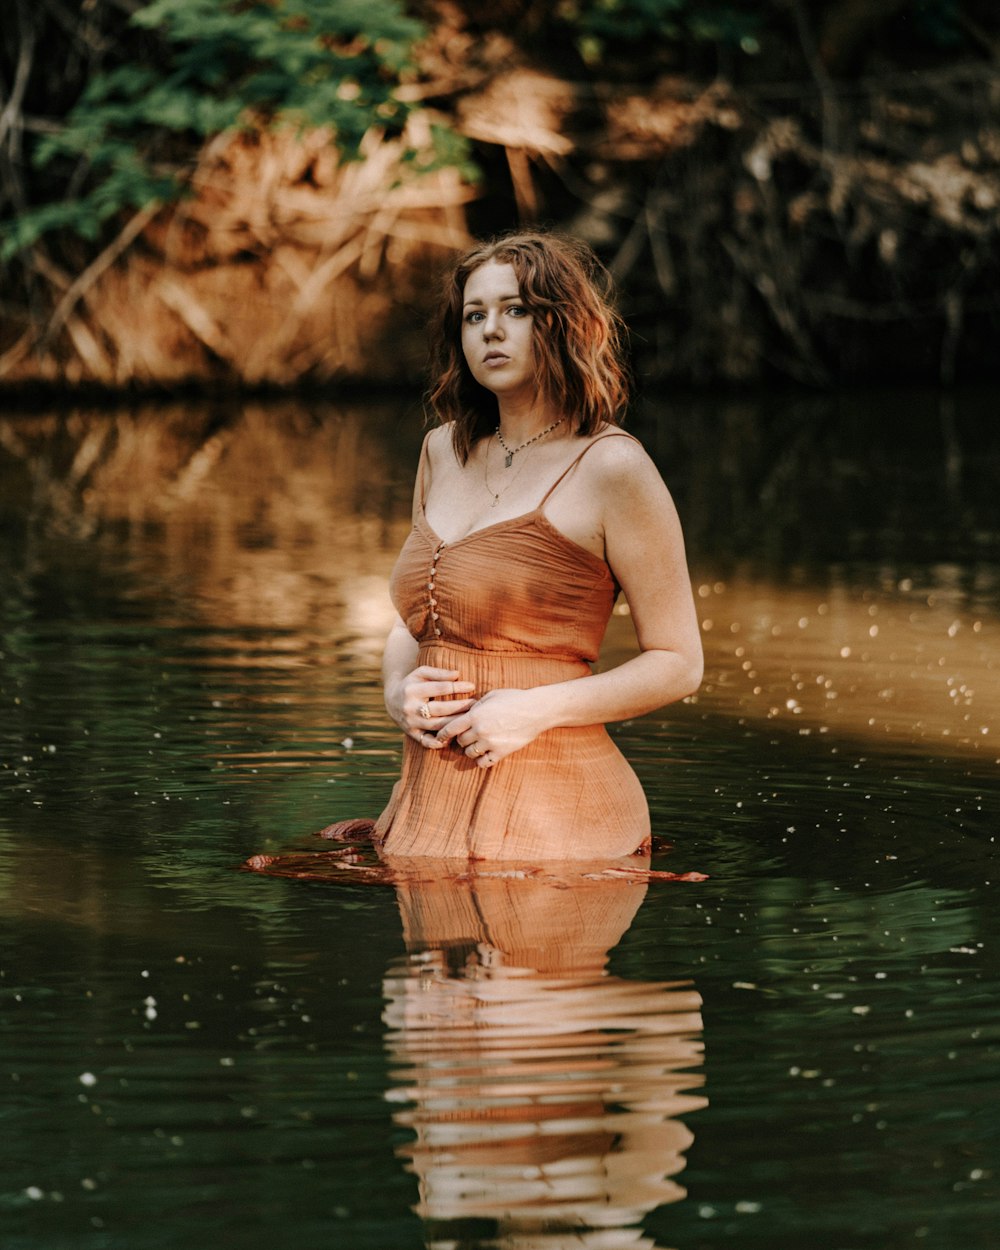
(542, 1092)
(283, 517)
(893, 662)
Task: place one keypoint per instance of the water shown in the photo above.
(801, 1050)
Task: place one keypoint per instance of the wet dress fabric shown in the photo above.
(516, 604)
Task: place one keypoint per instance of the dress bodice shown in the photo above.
(519, 585)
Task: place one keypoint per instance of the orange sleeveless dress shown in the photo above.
(515, 604)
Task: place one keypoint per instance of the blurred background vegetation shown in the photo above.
(261, 191)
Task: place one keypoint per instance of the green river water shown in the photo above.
(801, 1051)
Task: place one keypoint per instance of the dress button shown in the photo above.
(430, 585)
(435, 616)
(433, 602)
(437, 633)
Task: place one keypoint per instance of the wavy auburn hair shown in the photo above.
(578, 338)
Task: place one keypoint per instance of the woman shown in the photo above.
(531, 510)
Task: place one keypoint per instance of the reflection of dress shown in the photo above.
(542, 1092)
(516, 604)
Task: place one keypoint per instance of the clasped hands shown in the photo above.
(435, 708)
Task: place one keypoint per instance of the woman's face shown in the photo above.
(497, 333)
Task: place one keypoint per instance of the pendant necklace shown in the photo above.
(509, 458)
(495, 494)
(512, 451)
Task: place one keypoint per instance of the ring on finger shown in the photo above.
(424, 711)
(479, 750)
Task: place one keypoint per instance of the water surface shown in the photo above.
(801, 1050)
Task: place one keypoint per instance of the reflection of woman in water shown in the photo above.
(531, 509)
(542, 1092)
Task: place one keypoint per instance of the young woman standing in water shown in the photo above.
(531, 510)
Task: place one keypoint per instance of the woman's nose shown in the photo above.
(492, 327)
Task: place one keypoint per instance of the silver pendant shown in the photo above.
(509, 460)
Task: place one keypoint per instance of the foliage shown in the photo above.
(636, 29)
(211, 67)
(599, 25)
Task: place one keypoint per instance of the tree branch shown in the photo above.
(81, 285)
(25, 59)
(825, 84)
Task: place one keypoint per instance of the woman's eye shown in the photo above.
(518, 310)
(473, 317)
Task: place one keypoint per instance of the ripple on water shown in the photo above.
(801, 1050)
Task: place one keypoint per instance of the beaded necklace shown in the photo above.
(510, 455)
(512, 451)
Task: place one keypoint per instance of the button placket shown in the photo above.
(432, 602)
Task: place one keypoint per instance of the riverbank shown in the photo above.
(784, 221)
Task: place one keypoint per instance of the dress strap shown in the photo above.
(420, 486)
(573, 463)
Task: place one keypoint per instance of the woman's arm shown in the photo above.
(398, 659)
(645, 548)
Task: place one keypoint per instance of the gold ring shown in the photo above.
(424, 711)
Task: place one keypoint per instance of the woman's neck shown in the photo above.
(522, 421)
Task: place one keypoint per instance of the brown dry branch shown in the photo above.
(89, 352)
(82, 284)
(274, 271)
(525, 112)
(644, 125)
(30, 354)
(10, 115)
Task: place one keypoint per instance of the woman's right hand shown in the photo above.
(424, 700)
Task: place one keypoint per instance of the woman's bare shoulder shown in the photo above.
(616, 461)
(438, 442)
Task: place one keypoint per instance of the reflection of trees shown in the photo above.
(779, 480)
(541, 1090)
(256, 510)
(900, 665)
(793, 479)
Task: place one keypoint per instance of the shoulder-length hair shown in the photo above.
(580, 365)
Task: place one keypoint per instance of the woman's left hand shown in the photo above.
(497, 725)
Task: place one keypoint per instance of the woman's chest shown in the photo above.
(517, 580)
